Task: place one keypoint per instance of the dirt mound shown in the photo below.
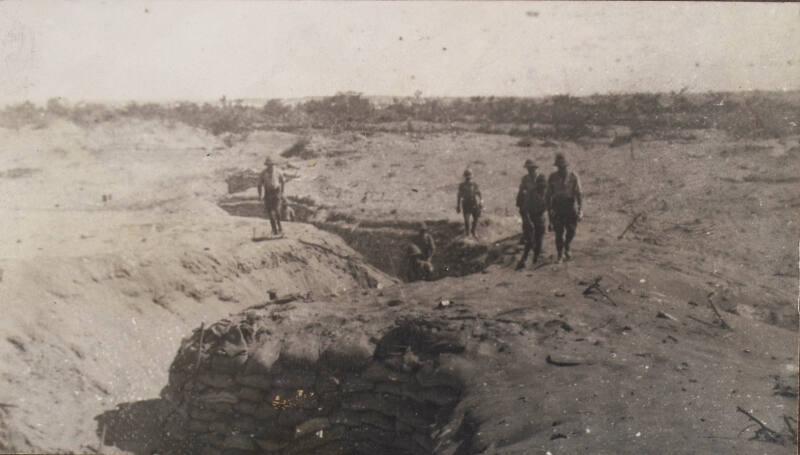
(245, 387)
(120, 244)
(696, 197)
(411, 375)
(95, 310)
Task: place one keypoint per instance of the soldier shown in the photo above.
(420, 255)
(469, 201)
(532, 204)
(287, 212)
(565, 205)
(413, 256)
(272, 182)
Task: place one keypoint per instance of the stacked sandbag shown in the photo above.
(246, 390)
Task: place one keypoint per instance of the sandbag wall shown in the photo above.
(246, 390)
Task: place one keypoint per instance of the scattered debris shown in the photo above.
(327, 250)
(558, 323)
(716, 311)
(444, 303)
(764, 433)
(701, 321)
(664, 315)
(595, 286)
(280, 301)
(784, 388)
(630, 225)
(263, 238)
(563, 362)
(792, 427)
(525, 142)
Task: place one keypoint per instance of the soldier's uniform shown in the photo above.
(532, 204)
(287, 212)
(272, 182)
(413, 255)
(565, 204)
(470, 202)
(421, 256)
(427, 245)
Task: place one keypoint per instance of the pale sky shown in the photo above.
(144, 50)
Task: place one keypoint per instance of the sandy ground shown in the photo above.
(97, 294)
(722, 209)
(628, 381)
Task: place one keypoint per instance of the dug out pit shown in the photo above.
(384, 243)
(246, 389)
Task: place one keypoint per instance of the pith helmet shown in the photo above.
(268, 161)
(423, 227)
(468, 173)
(560, 159)
(529, 164)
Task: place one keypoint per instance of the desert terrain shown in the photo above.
(133, 257)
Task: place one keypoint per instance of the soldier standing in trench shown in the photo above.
(420, 256)
(469, 201)
(532, 204)
(564, 204)
(272, 182)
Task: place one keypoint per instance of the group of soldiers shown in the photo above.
(560, 197)
(554, 202)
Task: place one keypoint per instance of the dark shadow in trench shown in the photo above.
(143, 427)
(384, 243)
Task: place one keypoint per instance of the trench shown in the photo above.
(383, 243)
(256, 384)
(351, 397)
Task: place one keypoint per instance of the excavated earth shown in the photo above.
(141, 317)
(511, 363)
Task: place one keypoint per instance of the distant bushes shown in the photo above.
(299, 150)
(756, 118)
(558, 117)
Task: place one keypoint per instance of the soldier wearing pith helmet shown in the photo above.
(565, 205)
(271, 181)
(470, 201)
(532, 204)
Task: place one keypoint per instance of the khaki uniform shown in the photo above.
(287, 212)
(532, 204)
(427, 246)
(419, 265)
(565, 198)
(470, 202)
(272, 183)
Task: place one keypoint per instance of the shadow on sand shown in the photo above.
(143, 428)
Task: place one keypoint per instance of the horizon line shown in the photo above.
(75, 101)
